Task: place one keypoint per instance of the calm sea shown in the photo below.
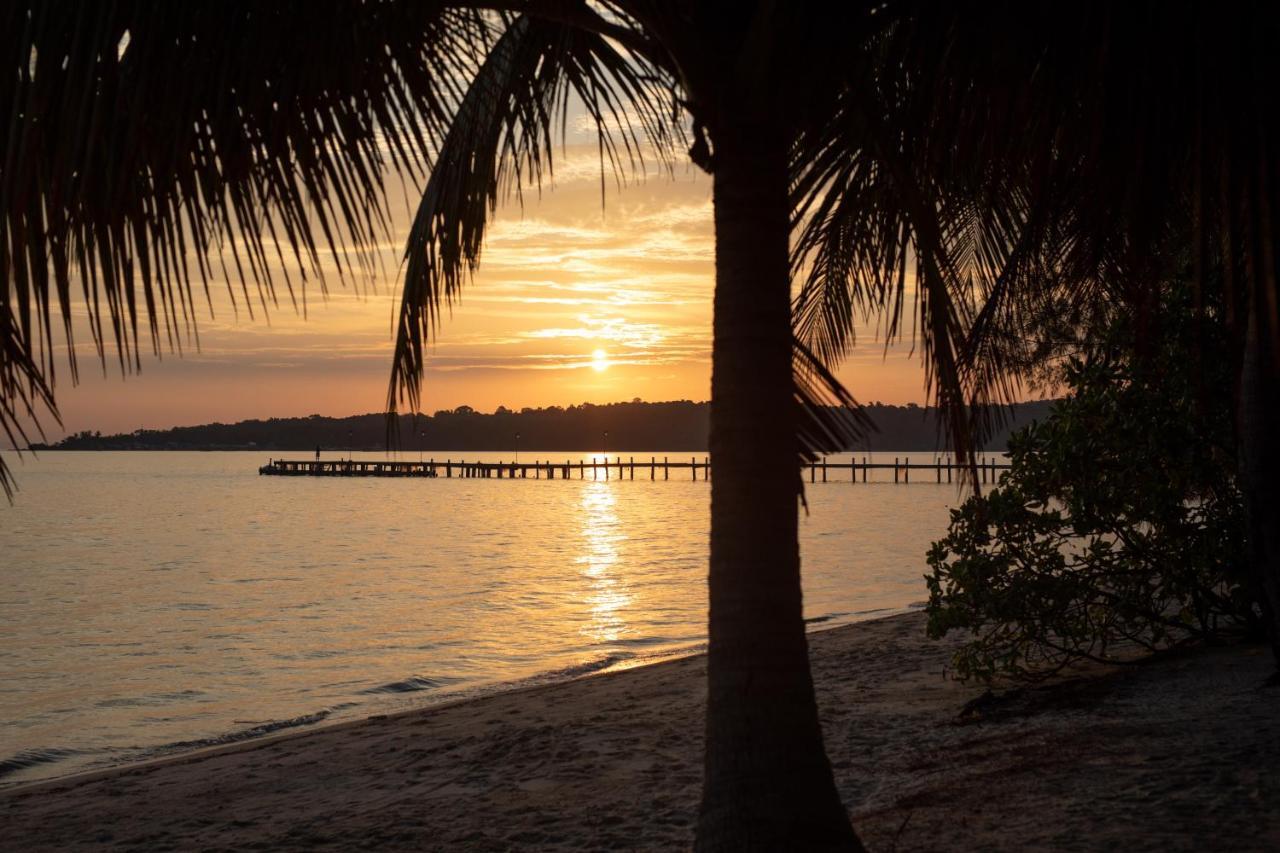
(154, 602)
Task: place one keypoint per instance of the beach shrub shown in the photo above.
(1119, 522)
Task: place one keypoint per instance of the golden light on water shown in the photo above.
(606, 596)
(599, 361)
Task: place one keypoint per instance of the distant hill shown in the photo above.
(631, 427)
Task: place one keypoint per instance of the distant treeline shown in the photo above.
(620, 427)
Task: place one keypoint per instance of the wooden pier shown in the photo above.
(938, 470)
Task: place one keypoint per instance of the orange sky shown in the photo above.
(559, 280)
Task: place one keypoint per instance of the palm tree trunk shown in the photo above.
(1258, 425)
(767, 783)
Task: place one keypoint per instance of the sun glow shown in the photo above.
(599, 361)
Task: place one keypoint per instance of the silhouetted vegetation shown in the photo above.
(1119, 523)
(999, 153)
(635, 426)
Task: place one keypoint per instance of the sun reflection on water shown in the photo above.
(606, 595)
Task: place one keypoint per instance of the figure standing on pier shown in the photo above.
(317, 453)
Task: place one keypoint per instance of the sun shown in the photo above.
(599, 361)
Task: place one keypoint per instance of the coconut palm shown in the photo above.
(142, 134)
(1073, 154)
(1007, 155)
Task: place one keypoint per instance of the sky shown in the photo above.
(573, 303)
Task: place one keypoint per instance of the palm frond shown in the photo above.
(501, 140)
(863, 207)
(830, 420)
(24, 395)
(152, 151)
(1031, 157)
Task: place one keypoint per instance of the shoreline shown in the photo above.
(175, 752)
(1174, 753)
(325, 718)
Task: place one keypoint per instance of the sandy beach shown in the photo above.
(1177, 753)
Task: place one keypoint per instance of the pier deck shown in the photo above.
(938, 470)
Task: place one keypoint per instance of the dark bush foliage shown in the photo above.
(1118, 523)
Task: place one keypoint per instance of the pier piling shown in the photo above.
(987, 469)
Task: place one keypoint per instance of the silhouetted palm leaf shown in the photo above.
(1006, 152)
(1029, 156)
(153, 149)
(500, 140)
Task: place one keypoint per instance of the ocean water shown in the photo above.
(153, 602)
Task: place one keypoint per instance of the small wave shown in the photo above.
(644, 642)
(586, 667)
(150, 700)
(411, 685)
(256, 731)
(342, 706)
(29, 758)
(33, 758)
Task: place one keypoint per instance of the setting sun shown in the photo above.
(599, 361)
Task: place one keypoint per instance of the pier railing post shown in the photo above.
(693, 466)
(895, 469)
(906, 470)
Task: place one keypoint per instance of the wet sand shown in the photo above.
(1179, 753)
